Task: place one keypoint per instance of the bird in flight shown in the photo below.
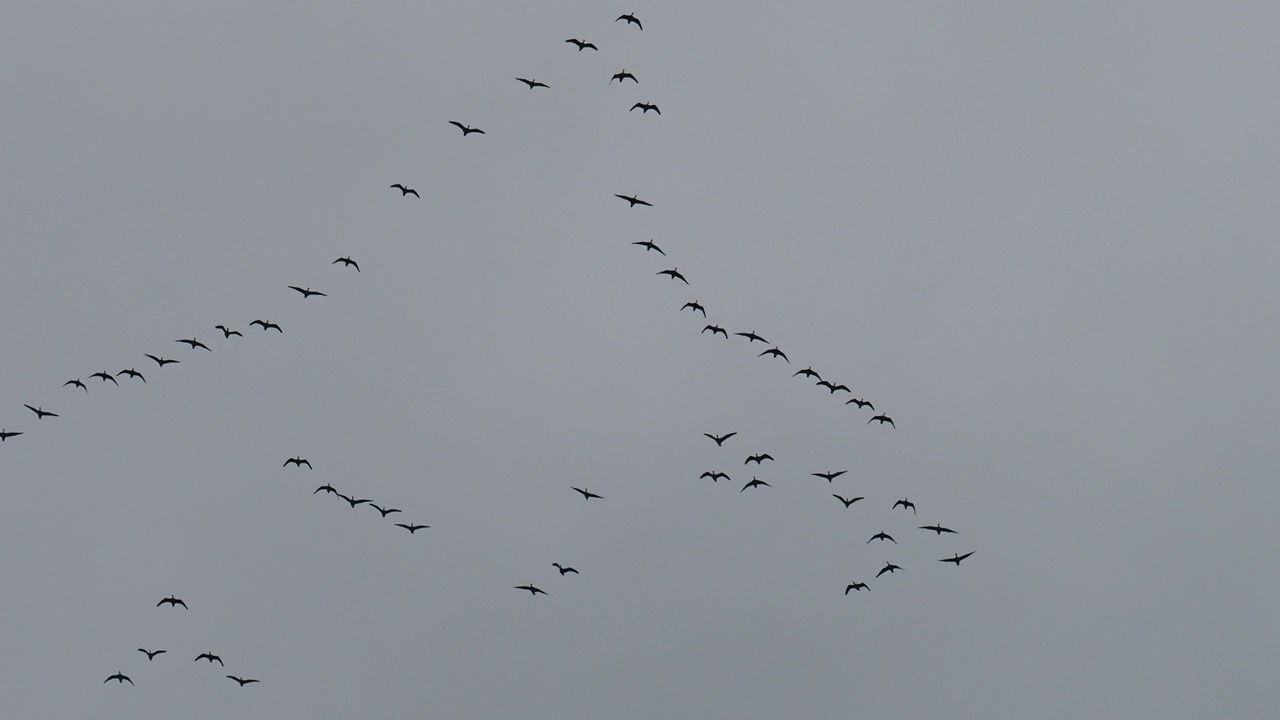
(582, 44)
(829, 476)
(107, 376)
(5, 434)
(674, 273)
(807, 372)
(329, 489)
(406, 190)
(307, 292)
(695, 306)
(268, 325)
(160, 361)
(564, 570)
(648, 245)
(412, 528)
(634, 201)
(759, 459)
(856, 586)
(173, 601)
(720, 438)
(776, 353)
(860, 403)
(883, 419)
(631, 20)
(194, 343)
(533, 589)
(834, 388)
(715, 476)
(299, 461)
(938, 529)
(621, 76)
(587, 494)
(210, 657)
(752, 337)
(348, 261)
(118, 677)
(533, 83)
(716, 330)
(353, 501)
(466, 129)
(151, 654)
(227, 332)
(385, 511)
(40, 412)
(882, 536)
(646, 107)
(242, 681)
(755, 482)
(888, 568)
(77, 382)
(957, 558)
(905, 503)
(133, 374)
(847, 501)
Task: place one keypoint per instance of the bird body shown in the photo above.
(327, 488)
(108, 376)
(348, 261)
(755, 482)
(860, 403)
(648, 245)
(695, 306)
(715, 476)
(833, 388)
(533, 83)
(403, 192)
(307, 292)
(151, 654)
(807, 372)
(352, 500)
(41, 413)
(645, 108)
(268, 325)
(757, 459)
(586, 494)
(719, 439)
(634, 201)
(466, 129)
(385, 511)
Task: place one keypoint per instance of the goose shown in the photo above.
(695, 306)
(118, 677)
(347, 261)
(133, 374)
(648, 245)
(631, 20)
(716, 330)
(5, 434)
(634, 201)
(227, 332)
(674, 274)
(412, 528)
(533, 83)
(406, 190)
(41, 413)
(883, 419)
(752, 337)
(776, 353)
(299, 461)
(956, 559)
(194, 343)
(888, 568)
(586, 494)
(582, 44)
(466, 129)
(268, 325)
(645, 107)
(151, 654)
(533, 589)
(174, 602)
(307, 292)
(77, 382)
(848, 501)
(719, 439)
(107, 376)
(242, 681)
(161, 361)
(621, 76)
(564, 570)
(856, 586)
(905, 503)
(860, 403)
(829, 476)
(210, 657)
(755, 482)
(758, 459)
(882, 536)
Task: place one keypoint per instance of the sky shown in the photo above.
(1037, 237)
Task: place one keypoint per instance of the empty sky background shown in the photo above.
(1040, 238)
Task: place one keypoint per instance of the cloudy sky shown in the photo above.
(1039, 238)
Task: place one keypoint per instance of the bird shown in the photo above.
(587, 494)
(720, 438)
(631, 20)
(173, 601)
(40, 412)
(860, 403)
(406, 190)
(882, 536)
(582, 44)
(905, 503)
(883, 419)
(533, 589)
(354, 501)
(674, 273)
(78, 383)
(888, 568)
(938, 529)
(695, 306)
(227, 332)
(564, 570)
(715, 476)
(5, 434)
(242, 681)
(107, 376)
(752, 337)
(646, 107)
(307, 292)
(847, 501)
(118, 677)
(412, 528)
(776, 353)
(648, 245)
(329, 489)
(856, 586)
(623, 75)
(834, 388)
(533, 83)
(194, 343)
(634, 201)
(151, 654)
(267, 324)
(957, 558)
(161, 361)
(348, 261)
(829, 476)
(466, 129)
(716, 330)
(755, 481)
(385, 511)
(807, 372)
(210, 657)
(133, 374)
(759, 459)
(299, 461)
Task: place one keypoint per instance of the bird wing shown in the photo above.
(460, 126)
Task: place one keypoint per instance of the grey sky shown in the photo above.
(1040, 238)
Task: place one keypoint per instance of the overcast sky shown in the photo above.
(1039, 238)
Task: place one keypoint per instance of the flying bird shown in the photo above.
(883, 419)
(118, 677)
(40, 412)
(108, 376)
(695, 306)
(268, 325)
(776, 353)
(161, 361)
(227, 332)
(582, 44)
(631, 20)
(151, 654)
(829, 476)
(533, 83)
(674, 273)
(856, 586)
(299, 461)
(564, 570)
(752, 337)
(720, 438)
(759, 459)
(860, 403)
(882, 536)
(466, 129)
(646, 107)
(79, 384)
(755, 482)
(648, 245)
(307, 292)
(533, 589)
(5, 434)
(173, 601)
(210, 657)
(834, 388)
(938, 529)
(905, 503)
(385, 511)
(587, 494)
(957, 558)
(715, 476)
(412, 528)
(621, 76)
(194, 343)
(348, 261)
(406, 190)
(329, 489)
(133, 374)
(353, 501)
(847, 501)
(807, 372)
(716, 330)
(888, 568)
(634, 201)
(242, 681)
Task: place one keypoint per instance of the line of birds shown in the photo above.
(173, 602)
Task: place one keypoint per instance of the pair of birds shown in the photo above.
(534, 589)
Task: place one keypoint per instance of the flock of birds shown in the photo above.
(759, 459)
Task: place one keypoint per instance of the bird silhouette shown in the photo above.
(587, 494)
(776, 353)
(807, 372)
(905, 503)
(716, 330)
(348, 261)
(5, 434)
(674, 274)
(108, 376)
(227, 332)
(888, 568)
(833, 388)
(385, 511)
(307, 292)
(173, 601)
(860, 403)
(648, 245)
(133, 374)
(883, 419)
(352, 500)
(151, 654)
(938, 529)
(299, 461)
(582, 44)
(412, 528)
(695, 306)
(829, 476)
(755, 482)
(327, 488)
(856, 586)
(41, 413)
(564, 570)
(634, 201)
(759, 459)
(848, 501)
(957, 558)
(406, 190)
(268, 325)
(719, 439)
(78, 384)
(631, 20)
(621, 76)
(715, 476)
(645, 108)
(194, 343)
(210, 657)
(752, 337)
(466, 129)
(242, 681)
(118, 677)
(161, 361)
(882, 536)
(533, 589)
(533, 83)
